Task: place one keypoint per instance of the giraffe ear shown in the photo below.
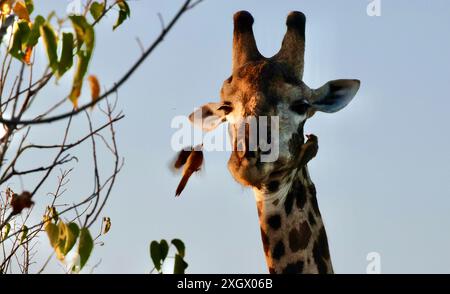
(210, 115)
(334, 95)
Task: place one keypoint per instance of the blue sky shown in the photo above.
(383, 166)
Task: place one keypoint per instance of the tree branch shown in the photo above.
(186, 6)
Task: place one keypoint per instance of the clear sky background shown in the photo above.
(382, 172)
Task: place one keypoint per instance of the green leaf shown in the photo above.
(124, 13)
(85, 246)
(24, 234)
(97, 9)
(164, 247)
(123, 5)
(18, 47)
(180, 265)
(158, 253)
(84, 32)
(155, 253)
(85, 44)
(52, 233)
(30, 6)
(66, 60)
(72, 234)
(49, 38)
(6, 230)
(179, 245)
(82, 65)
(35, 31)
(51, 15)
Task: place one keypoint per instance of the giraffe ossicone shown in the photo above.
(292, 230)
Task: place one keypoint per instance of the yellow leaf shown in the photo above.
(76, 92)
(5, 6)
(95, 87)
(53, 234)
(21, 11)
(107, 223)
(62, 238)
(45, 220)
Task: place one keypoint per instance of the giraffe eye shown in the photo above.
(300, 107)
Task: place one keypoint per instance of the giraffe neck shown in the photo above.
(292, 230)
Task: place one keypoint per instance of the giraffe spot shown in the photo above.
(311, 219)
(298, 192)
(321, 252)
(278, 250)
(305, 232)
(265, 241)
(294, 268)
(294, 240)
(299, 238)
(289, 201)
(312, 192)
(324, 243)
(320, 263)
(274, 221)
(273, 186)
(300, 195)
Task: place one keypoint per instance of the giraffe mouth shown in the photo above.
(250, 171)
(247, 171)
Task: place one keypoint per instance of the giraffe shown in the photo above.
(293, 233)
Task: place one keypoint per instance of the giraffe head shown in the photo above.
(271, 88)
